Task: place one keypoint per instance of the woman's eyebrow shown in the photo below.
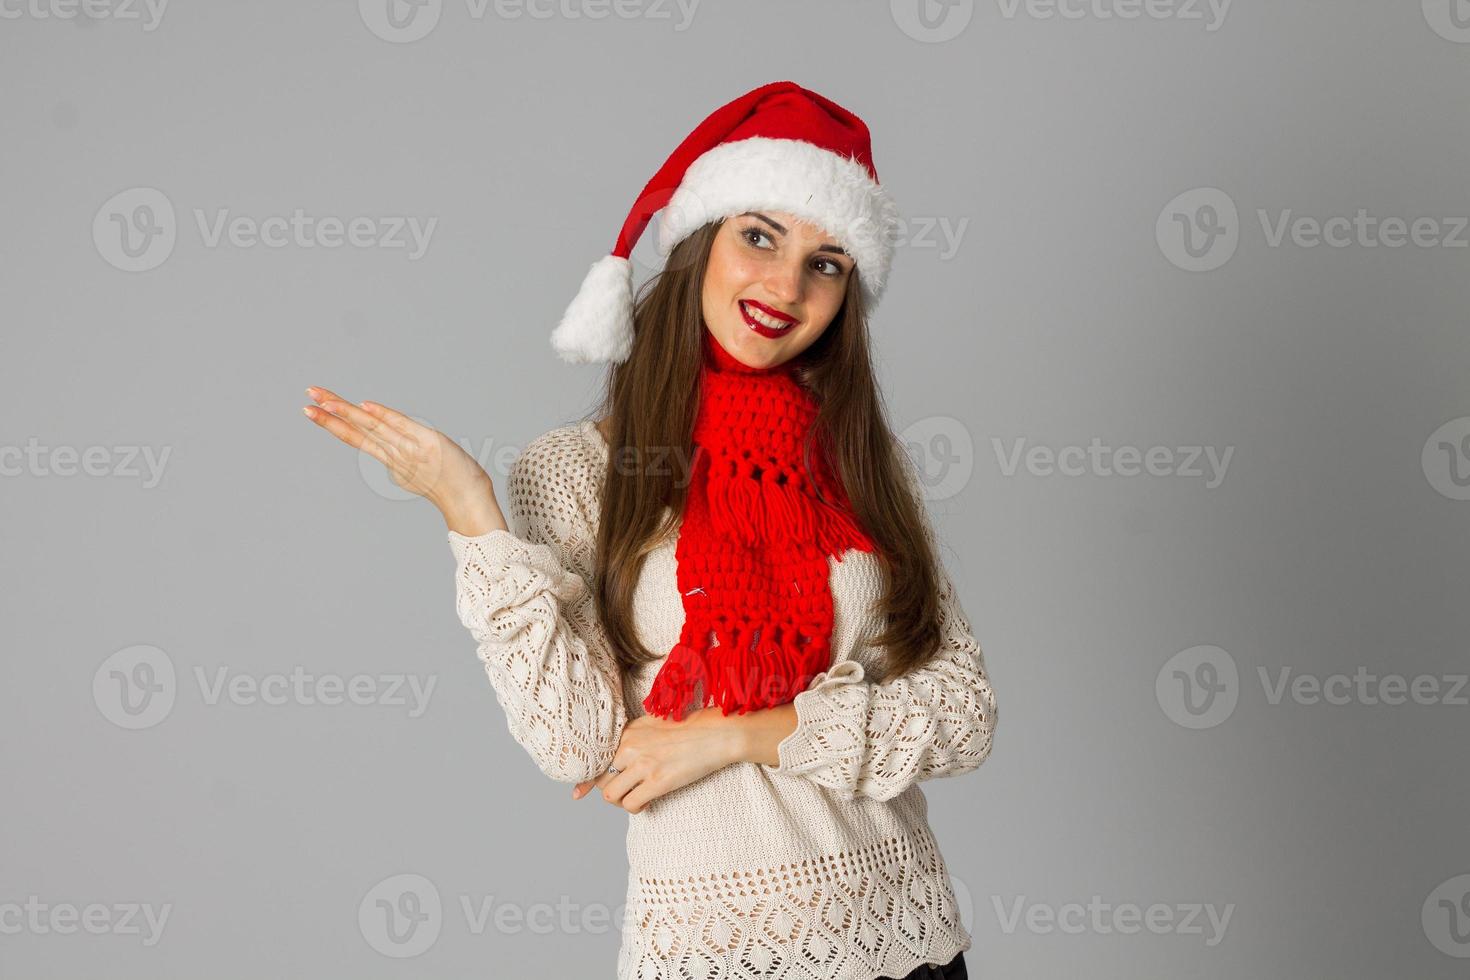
(757, 214)
(820, 248)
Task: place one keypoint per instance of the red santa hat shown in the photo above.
(778, 147)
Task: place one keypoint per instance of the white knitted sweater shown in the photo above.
(821, 867)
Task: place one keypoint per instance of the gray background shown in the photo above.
(1331, 545)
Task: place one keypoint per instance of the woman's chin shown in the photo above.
(753, 350)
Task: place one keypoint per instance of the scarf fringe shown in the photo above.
(839, 532)
(750, 511)
(735, 677)
(673, 688)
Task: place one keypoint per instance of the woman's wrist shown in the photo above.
(758, 734)
(473, 514)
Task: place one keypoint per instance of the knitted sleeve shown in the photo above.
(858, 737)
(523, 594)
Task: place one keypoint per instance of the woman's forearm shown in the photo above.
(760, 732)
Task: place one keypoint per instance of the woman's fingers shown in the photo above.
(396, 419)
(320, 395)
(341, 428)
(347, 433)
(601, 782)
(585, 789)
(616, 787)
(375, 429)
(330, 401)
(638, 797)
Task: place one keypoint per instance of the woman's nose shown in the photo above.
(785, 285)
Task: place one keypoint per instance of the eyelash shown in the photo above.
(757, 230)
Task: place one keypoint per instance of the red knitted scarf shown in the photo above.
(753, 546)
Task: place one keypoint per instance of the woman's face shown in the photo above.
(772, 266)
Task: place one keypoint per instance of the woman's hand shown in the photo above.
(658, 756)
(421, 460)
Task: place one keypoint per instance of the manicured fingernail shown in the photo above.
(306, 410)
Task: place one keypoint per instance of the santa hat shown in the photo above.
(779, 147)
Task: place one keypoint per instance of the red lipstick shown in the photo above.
(766, 329)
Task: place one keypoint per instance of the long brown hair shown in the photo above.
(651, 400)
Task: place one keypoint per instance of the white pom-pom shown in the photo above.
(598, 323)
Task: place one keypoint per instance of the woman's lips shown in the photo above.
(764, 320)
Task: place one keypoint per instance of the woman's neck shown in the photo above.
(721, 360)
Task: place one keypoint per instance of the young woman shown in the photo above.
(721, 603)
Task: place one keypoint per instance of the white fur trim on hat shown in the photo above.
(598, 323)
(809, 181)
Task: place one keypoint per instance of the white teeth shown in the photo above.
(763, 319)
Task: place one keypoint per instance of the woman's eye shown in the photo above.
(757, 233)
(834, 266)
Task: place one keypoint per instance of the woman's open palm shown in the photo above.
(421, 460)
